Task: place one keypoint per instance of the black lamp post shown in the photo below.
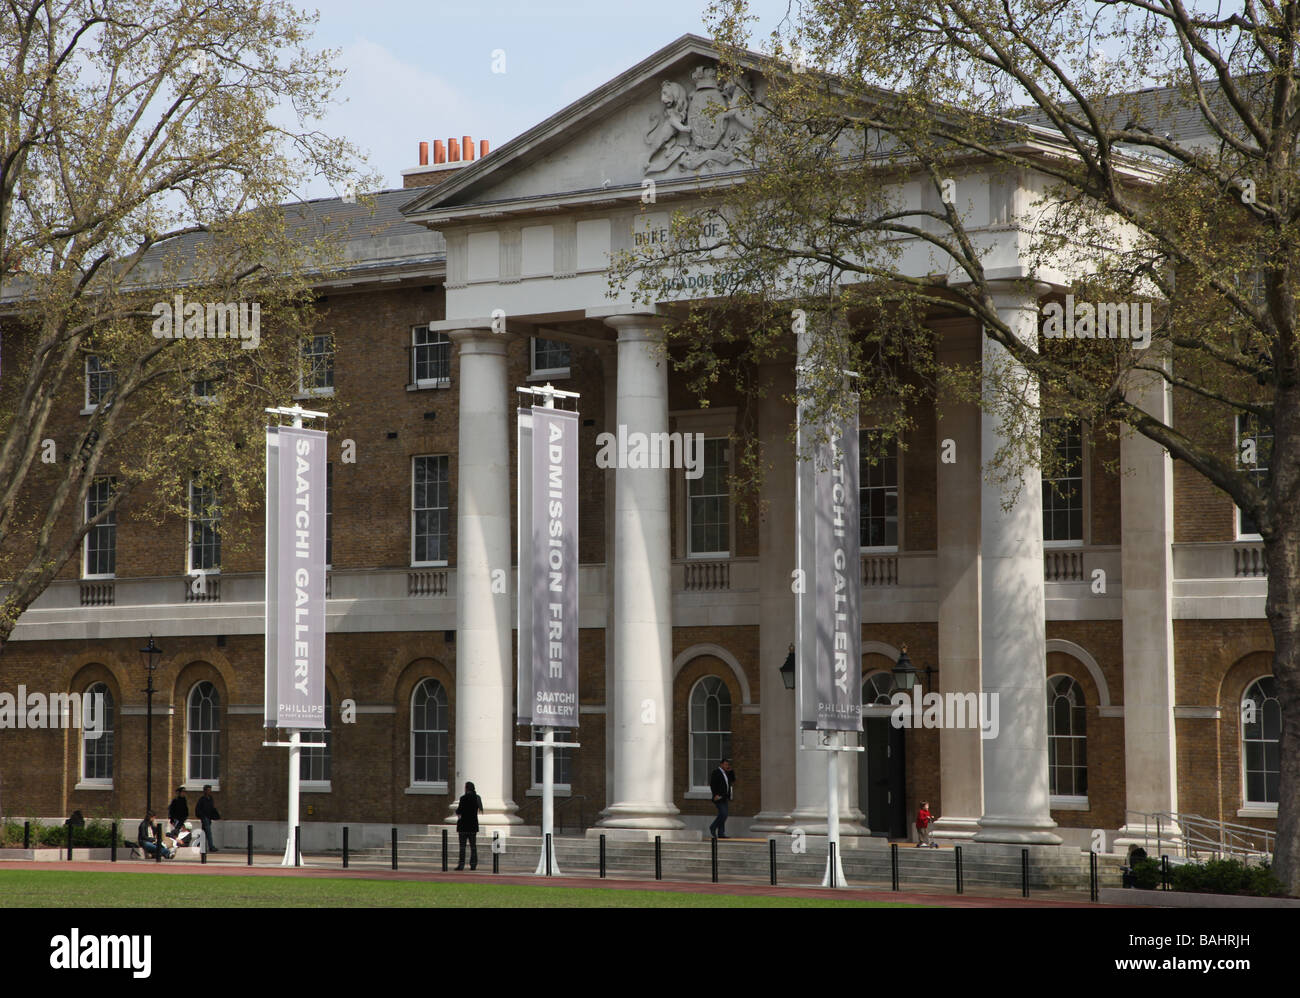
(149, 655)
(787, 670)
(905, 673)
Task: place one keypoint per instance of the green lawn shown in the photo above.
(56, 889)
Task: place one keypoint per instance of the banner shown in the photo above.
(830, 605)
(548, 568)
(295, 577)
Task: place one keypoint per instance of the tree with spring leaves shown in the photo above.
(1151, 146)
(142, 158)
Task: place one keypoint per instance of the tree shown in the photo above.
(1101, 100)
(143, 170)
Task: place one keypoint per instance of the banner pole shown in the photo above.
(834, 876)
(548, 804)
(295, 754)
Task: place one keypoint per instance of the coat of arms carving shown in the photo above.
(700, 130)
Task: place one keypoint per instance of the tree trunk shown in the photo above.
(1283, 610)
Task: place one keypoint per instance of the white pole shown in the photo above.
(833, 818)
(295, 750)
(548, 802)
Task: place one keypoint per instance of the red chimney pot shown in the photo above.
(424, 154)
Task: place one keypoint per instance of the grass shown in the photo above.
(56, 889)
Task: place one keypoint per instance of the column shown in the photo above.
(641, 696)
(484, 671)
(957, 476)
(1013, 640)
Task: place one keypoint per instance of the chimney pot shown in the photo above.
(453, 151)
(467, 144)
(482, 148)
(424, 154)
(439, 151)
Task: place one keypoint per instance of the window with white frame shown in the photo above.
(878, 489)
(100, 543)
(1254, 454)
(1261, 738)
(710, 728)
(207, 383)
(877, 689)
(316, 375)
(550, 357)
(204, 550)
(1067, 738)
(708, 503)
(430, 358)
(314, 759)
(203, 730)
(1063, 492)
(430, 498)
(563, 773)
(97, 751)
(430, 736)
(99, 381)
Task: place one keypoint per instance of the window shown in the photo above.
(314, 762)
(329, 514)
(877, 688)
(1063, 494)
(878, 489)
(708, 506)
(1261, 734)
(317, 372)
(205, 530)
(205, 385)
(429, 734)
(203, 727)
(710, 717)
(563, 760)
(99, 381)
(430, 524)
(1254, 455)
(550, 357)
(1067, 738)
(97, 753)
(430, 358)
(100, 543)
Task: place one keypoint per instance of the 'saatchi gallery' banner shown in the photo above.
(295, 577)
(548, 568)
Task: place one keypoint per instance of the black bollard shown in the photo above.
(112, 845)
(831, 855)
(444, 851)
(69, 843)
(250, 845)
(1093, 893)
(1164, 873)
(394, 848)
(659, 867)
(961, 886)
(1024, 873)
(297, 845)
(893, 864)
(345, 847)
(27, 834)
(771, 860)
(496, 861)
(158, 848)
(547, 845)
(715, 858)
(602, 855)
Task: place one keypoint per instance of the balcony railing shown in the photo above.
(707, 576)
(1248, 561)
(1063, 566)
(97, 593)
(202, 588)
(427, 583)
(880, 569)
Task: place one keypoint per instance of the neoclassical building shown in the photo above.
(1117, 702)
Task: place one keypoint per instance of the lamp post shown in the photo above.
(149, 655)
(905, 673)
(787, 670)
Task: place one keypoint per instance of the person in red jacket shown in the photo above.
(923, 819)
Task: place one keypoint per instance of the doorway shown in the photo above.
(882, 778)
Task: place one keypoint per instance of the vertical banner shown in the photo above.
(830, 606)
(524, 582)
(295, 578)
(551, 587)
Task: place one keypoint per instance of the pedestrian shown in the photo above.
(721, 782)
(178, 811)
(206, 811)
(923, 820)
(149, 836)
(467, 825)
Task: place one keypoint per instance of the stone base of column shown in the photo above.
(955, 828)
(497, 814)
(1144, 835)
(813, 822)
(1017, 830)
(771, 822)
(654, 819)
(619, 834)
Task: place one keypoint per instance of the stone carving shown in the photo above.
(701, 130)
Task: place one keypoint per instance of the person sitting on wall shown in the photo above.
(149, 837)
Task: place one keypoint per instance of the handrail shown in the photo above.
(1198, 835)
(560, 804)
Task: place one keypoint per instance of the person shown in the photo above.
(76, 820)
(721, 782)
(467, 825)
(206, 811)
(923, 820)
(178, 811)
(148, 837)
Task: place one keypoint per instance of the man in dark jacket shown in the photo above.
(178, 812)
(467, 825)
(720, 783)
(206, 811)
(148, 837)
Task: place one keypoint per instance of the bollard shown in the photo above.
(158, 848)
(1024, 873)
(659, 868)
(27, 834)
(602, 855)
(112, 845)
(1164, 873)
(893, 864)
(496, 862)
(715, 859)
(1092, 877)
(345, 847)
(297, 845)
(203, 853)
(960, 885)
(771, 860)
(394, 848)
(250, 845)
(69, 843)
(831, 853)
(548, 853)
(444, 851)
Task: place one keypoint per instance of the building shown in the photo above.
(1117, 701)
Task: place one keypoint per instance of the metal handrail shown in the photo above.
(1197, 835)
(560, 804)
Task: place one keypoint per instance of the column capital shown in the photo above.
(479, 340)
(1009, 294)
(634, 326)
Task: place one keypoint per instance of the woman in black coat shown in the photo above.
(467, 825)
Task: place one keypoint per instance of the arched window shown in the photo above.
(429, 734)
(203, 725)
(314, 763)
(710, 728)
(97, 749)
(1067, 738)
(877, 689)
(1261, 731)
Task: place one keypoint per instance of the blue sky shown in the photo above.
(423, 71)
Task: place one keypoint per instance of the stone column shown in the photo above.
(957, 475)
(609, 357)
(641, 697)
(484, 671)
(1013, 640)
(1147, 534)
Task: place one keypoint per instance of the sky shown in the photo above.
(424, 71)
